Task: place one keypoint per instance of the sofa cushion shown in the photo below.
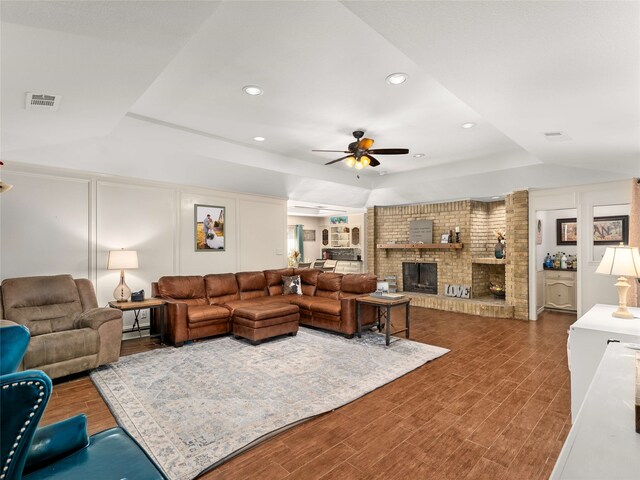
(326, 305)
(358, 283)
(329, 285)
(205, 313)
(265, 311)
(251, 285)
(186, 288)
(221, 288)
(43, 304)
(61, 346)
(274, 279)
(309, 278)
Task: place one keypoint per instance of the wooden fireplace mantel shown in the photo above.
(423, 246)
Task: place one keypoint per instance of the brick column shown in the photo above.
(517, 241)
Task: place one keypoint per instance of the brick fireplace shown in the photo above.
(420, 277)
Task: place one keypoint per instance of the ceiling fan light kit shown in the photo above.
(359, 153)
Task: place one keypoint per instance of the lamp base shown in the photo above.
(122, 293)
(623, 287)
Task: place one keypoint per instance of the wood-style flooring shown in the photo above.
(496, 407)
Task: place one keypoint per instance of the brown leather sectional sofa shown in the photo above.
(203, 306)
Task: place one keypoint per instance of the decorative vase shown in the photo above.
(499, 250)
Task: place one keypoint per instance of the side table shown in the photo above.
(385, 303)
(147, 304)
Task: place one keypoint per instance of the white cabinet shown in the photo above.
(588, 341)
(560, 289)
(349, 266)
(602, 442)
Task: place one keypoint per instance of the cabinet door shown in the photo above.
(560, 294)
(355, 237)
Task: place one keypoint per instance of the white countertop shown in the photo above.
(599, 318)
(603, 443)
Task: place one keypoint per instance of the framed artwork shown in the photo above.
(308, 235)
(539, 233)
(208, 228)
(566, 231)
(611, 230)
(336, 220)
(444, 238)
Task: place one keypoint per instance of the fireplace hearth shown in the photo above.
(420, 277)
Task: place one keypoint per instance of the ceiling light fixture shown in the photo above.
(252, 90)
(259, 139)
(397, 78)
(418, 155)
(468, 125)
(496, 198)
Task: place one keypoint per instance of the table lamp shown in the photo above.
(622, 261)
(121, 260)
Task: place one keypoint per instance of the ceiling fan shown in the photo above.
(360, 152)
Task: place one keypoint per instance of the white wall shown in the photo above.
(592, 288)
(61, 221)
(312, 250)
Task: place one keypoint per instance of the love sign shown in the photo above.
(459, 291)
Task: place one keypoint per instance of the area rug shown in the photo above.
(193, 407)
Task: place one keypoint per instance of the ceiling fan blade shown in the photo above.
(336, 151)
(373, 162)
(389, 151)
(338, 159)
(365, 144)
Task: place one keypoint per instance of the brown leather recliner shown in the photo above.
(69, 332)
(189, 313)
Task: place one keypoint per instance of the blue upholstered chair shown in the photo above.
(62, 450)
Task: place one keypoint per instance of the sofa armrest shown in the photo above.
(348, 312)
(176, 320)
(56, 441)
(95, 317)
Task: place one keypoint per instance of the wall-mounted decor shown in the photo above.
(566, 231)
(444, 238)
(309, 235)
(208, 228)
(611, 230)
(539, 233)
(336, 220)
(420, 231)
(458, 291)
(606, 230)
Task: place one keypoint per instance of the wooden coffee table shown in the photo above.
(383, 310)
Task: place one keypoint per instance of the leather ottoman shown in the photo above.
(258, 322)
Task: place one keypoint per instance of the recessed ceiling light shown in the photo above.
(397, 78)
(418, 155)
(259, 139)
(252, 90)
(496, 198)
(468, 125)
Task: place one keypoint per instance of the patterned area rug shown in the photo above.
(193, 407)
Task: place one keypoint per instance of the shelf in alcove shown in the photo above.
(490, 261)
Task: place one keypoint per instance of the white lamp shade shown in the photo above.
(122, 259)
(620, 261)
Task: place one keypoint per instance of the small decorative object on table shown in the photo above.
(294, 258)
(444, 238)
(500, 245)
(497, 290)
(457, 234)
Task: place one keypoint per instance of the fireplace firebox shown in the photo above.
(420, 277)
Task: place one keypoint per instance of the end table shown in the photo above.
(147, 304)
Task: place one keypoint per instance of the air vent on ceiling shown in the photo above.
(42, 101)
(556, 136)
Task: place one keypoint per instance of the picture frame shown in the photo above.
(308, 235)
(212, 237)
(611, 230)
(338, 220)
(566, 231)
(444, 238)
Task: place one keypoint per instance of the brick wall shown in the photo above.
(477, 222)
